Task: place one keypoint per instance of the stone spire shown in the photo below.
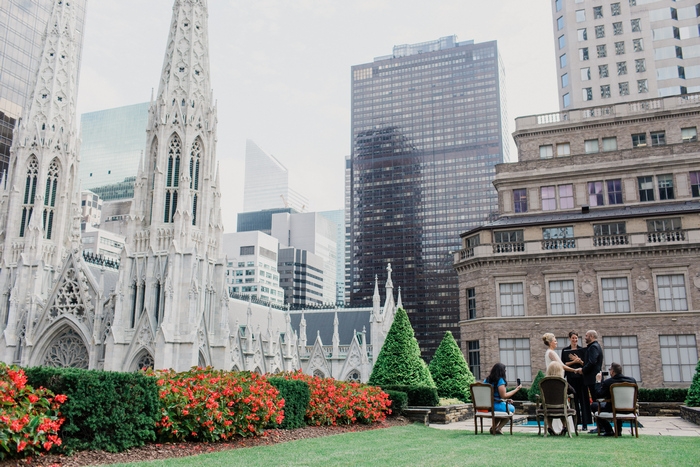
(389, 300)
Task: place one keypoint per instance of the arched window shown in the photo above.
(195, 158)
(172, 178)
(154, 158)
(50, 198)
(29, 194)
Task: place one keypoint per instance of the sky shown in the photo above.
(280, 71)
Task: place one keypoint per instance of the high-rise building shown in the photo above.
(266, 184)
(22, 28)
(113, 143)
(338, 217)
(621, 51)
(428, 127)
(301, 277)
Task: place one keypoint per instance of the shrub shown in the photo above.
(450, 371)
(210, 405)
(662, 395)
(399, 361)
(535, 388)
(418, 396)
(105, 410)
(399, 401)
(693, 398)
(296, 397)
(340, 402)
(29, 418)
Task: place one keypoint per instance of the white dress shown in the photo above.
(549, 357)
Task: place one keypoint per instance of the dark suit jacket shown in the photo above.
(602, 390)
(593, 363)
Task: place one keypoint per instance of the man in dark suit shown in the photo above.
(591, 367)
(602, 391)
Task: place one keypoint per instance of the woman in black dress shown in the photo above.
(575, 380)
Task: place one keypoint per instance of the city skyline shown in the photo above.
(272, 87)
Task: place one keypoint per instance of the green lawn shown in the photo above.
(416, 445)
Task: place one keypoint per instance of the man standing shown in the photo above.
(602, 391)
(591, 367)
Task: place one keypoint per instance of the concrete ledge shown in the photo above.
(417, 414)
(660, 409)
(691, 414)
(449, 413)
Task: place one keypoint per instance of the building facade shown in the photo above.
(428, 128)
(251, 268)
(338, 217)
(301, 277)
(23, 25)
(113, 143)
(622, 51)
(599, 228)
(259, 220)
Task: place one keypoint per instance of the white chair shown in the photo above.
(623, 398)
(482, 400)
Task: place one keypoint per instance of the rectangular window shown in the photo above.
(563, 149)
(665, 187)
(623, 350)
(520, 200)
(511, 299)
(582, 35)
(614, 188)
(605, 91)
(668, 224)
(671, 290)
(247, 250)
(562, 297)
(619, 48)
(615, 9)
(585, 74)
(558, 4)
(624, 88)
(560, 23)
(621, 68)
(566, 100)
(679, 355)
(564, 80)
(610, 228)
(639, 140)
(562, 41)
(580, 16)
(549, 200)
(638, 45)
(474, 359)
(597, 12)
(616, 298)
(658, 138)
(595, 194)
(590, 146)
(562, 60)
(695, 184)
(646, 188)
(610, 144)
(640, 65)
(636, 26)
(566, 196)
(603, 71)
(689, 134)
(617, 29)
(471, 303)
(583, 53)
(642, 86)
(600, 31)
(546, 151)
(508, 236)
(515, 355)
(602, 51)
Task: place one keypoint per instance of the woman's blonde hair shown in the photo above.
(555, 369)
(547, 338)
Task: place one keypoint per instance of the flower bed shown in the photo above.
(29, 418)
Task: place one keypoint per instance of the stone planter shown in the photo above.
(660, 409)
(448, 413)
(692, 414)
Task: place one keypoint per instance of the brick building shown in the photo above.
(599, 228)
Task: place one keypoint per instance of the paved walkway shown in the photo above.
(664, 426)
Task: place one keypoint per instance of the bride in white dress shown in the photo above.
(550, 356)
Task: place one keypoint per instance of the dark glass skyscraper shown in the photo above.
(428, 127)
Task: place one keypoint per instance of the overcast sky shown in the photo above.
(281, 70)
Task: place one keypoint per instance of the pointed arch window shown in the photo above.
(195, 161)
(50, 199)
(172, 178)
(29, 195)
(154, 158)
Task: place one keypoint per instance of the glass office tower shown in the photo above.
(428, 127)
(22, 28)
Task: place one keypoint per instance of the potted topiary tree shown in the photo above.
(693, 399)
(450, 371)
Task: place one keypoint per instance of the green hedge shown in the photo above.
(296, 395)
(521, 395)
(534, 390)
(105, 411)
(399, 401)
(418, 396)
(693, 398)
(662, 395)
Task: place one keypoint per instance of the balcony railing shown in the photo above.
(466, 253)
(665, 237)
(611, 240)
(513, 247)
(559, 244)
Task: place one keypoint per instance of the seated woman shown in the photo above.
(497, 379)
(557, 369)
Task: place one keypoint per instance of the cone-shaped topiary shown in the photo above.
(450, 371)
(693, 399)
(399, 361)
(535, 388)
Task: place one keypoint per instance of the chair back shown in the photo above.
(482, 396)
(623, 397)
(553, 391)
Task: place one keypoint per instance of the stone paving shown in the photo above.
(664, 426)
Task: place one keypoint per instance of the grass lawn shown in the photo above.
(417, 445)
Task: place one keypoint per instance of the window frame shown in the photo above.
(684, 376)
(514, 307)
(520, 200)
(624, 353)
(521, 357)
(574, 290)
(471, 303)
(617, 301)
(670, 273)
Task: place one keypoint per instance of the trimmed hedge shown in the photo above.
(296, 395)
(662, 395)
(521, 395)
(399, 401)
(534, 390)
(105, 411)
(693, 397)
(450, 371)
(418, 396)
